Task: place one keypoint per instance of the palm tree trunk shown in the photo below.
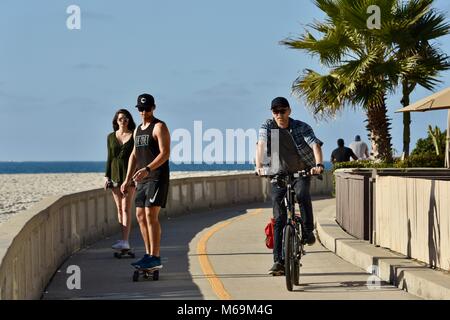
(378, 125)
(406, 134)
(406, 89)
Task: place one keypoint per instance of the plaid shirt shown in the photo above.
(301, 132)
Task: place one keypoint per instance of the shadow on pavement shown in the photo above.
(105, 277)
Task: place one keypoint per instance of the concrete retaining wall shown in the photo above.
(413, 218)
(34, 243)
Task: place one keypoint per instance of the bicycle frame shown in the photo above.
(293, 234)
(293, 220)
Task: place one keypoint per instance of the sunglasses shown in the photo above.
(146, 109)
(279, 111)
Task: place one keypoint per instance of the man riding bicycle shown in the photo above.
(310, 151)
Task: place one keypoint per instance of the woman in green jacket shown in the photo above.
(120, 146)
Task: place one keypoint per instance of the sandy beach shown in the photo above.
(19, 192)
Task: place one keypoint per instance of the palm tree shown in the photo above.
(361, 67)
(364, 64)
(418, 24)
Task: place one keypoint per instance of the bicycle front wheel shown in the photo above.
(289, 257)
(297, 250)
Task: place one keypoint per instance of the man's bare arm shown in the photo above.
(260, 149)
(317, 149)
(163, 136)
(260, 152)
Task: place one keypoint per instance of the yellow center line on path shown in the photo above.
(205, 264)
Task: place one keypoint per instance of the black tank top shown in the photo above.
(147, 149)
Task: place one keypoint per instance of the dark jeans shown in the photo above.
(301, 187)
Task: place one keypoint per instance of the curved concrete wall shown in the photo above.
(34, 243)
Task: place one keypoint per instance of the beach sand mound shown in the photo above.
(19, 192)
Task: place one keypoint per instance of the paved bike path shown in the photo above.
(218, 255)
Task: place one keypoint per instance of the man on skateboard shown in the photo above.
(149, 167)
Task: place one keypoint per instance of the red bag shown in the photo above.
(269, 233)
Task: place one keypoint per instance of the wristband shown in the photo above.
(320, 165)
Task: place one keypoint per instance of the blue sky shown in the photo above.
(215, 61)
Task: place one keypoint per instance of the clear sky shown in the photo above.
(215, 61)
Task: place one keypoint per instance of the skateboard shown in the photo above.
(124, 253)
(146, 273)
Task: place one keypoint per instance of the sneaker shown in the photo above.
(126, 245)
(277, 269)
(143, 259)
(153, 262)
(117, 245)
(121, 245)
(310, 239)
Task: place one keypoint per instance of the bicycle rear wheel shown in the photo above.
(289, 256)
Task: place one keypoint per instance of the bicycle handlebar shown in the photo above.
(298, 174)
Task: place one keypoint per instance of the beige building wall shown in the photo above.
(413, 218)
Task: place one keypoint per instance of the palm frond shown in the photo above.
(321, 92)
(355, 70)
(331, 48)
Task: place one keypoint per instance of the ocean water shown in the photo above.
(99, 166)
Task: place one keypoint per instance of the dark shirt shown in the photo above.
(302, 133)
(147, 149)
(342, 154)
(118, 155)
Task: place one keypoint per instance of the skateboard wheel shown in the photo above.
(136, 276)
(116, 255)
(132, 255)
(155, 275)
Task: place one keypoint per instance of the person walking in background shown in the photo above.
(120, 145)
(342, 153)
(150, 156)
(360, 148)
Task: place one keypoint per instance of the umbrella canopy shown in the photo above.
(437, 101)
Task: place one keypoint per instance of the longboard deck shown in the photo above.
(123, 250)
(148, 273)
(147, 269)
(119, 253)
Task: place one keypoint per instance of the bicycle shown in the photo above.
(294, 231)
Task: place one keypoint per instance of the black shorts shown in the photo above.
(152, 193)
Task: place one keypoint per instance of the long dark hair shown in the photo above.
(131, 125)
